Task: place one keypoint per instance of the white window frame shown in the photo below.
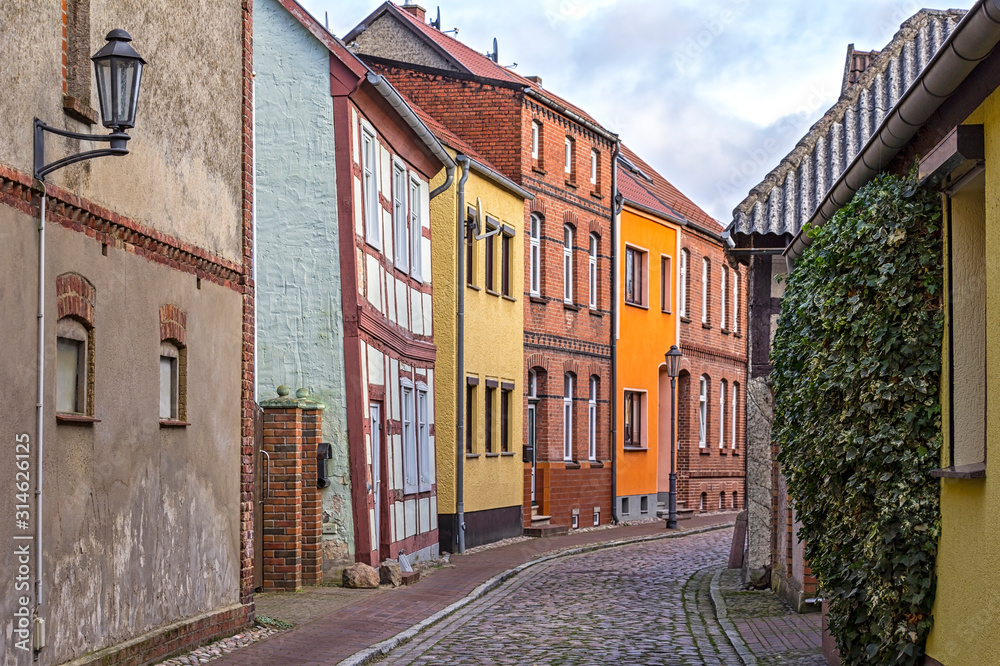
(569, 156)
(536, 135)
(568, 381)
(71, 378)
(722, 414)
(425, 461)
(592, 266)
(400, 217)
(170, 354)
(568, 241)
(732, 440)
(703, 413)
(411, 472)
(683, 286)
(593, 167)
(370, 186)
(416, 229)
(705, 267)
(535, 255)
(666, 283)
(736, 302)
(640, 270)
(723, 295)
(592, 420)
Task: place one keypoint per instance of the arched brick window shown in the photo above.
(173, 366)
(75, 359)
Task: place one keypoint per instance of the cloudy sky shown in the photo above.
(699, 88)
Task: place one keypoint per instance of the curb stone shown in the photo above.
(722, 616)
(382, 649)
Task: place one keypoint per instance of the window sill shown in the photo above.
(735, 453)
(706, 325)
(596, 464)
(737, 335)
(472, 286)
(538, 299)
(596, 313)
(78, 419)
(723, 452)
(635, 448)
(492, 455)
(509, 298)
(571, 306)
(596, 194)
(636, 305)
(704, 452)
(572, 464)
(686, 320)
(471, 455)
(538, 169)
(570, 184)
(169, 423)
(507, 454)
(973, 471)
(491, 292)
(666, 312)
(726, 331)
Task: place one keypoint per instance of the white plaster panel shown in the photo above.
(385, 173)
(428, 315)
(392, 524)
(364, 380)
(376, 368)
(391, 303)
(403, 314)
(433, 447)
(393, 388)
(398, 513)
(359, 228)
(425, 514)
(371, 528)
(425, 206)
(397, 462)
(434, 512)
(373, 279)
(430, 394)
(359, 264)
(416, 307)
(388, 237)
(425, 262)
(410, 518)
(355, 138)
(368, 448)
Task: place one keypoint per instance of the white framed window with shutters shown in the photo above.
(425, 457)
(400, 217)
(567, 264)
(703, 412)
(592, 269)
(722, 414)
(369, 174)
(535, 255)
(416, 229)
(411, 472)
(682, 288)
(568, 381)
(723, 295)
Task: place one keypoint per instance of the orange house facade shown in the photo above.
(648, 252)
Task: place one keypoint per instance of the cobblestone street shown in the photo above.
(641, 604)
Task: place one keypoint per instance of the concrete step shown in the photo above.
(539, 521)
(682, 514)
(546, 531)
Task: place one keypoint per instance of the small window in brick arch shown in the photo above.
(595, 165)
(567, 264)
(704, 501)
(568, 382)
(74, 360)
(722, 501)
(723, 295)
(535, 255)
(536, 138)
(595, 243)
(706, 268)
(570, 149)
(703, 412)
(736, 302)
(171, 382)
(736, 501)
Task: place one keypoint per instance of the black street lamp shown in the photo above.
(673, 358)
(118, 68)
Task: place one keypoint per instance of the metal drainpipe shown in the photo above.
(463, 161)
(40, 405)
(615, 210)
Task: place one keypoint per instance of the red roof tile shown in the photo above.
(665, 192)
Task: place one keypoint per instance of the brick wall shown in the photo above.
(718, 352)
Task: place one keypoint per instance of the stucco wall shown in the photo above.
(141, 522)
(300, 328)
(390, 39)
(759, 480)
(968, 564)
(493, 348)
(185, 160)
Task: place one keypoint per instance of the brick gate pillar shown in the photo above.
(293, 516)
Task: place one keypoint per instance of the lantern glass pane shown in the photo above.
(102, 69)
(135, 94)
(125, 87)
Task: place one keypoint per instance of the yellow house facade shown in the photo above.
(481, 466)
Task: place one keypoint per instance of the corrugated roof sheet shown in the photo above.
(790, 194)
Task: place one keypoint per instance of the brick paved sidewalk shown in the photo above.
(773, 632)
(327, 638)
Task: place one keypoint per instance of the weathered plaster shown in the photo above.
(300, 324)
(390, 39)
(760, 413)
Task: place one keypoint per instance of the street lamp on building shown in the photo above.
(673, 369)
(118, 68)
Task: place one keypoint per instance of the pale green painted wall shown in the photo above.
(300, 328)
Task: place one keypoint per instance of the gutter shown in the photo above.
(575, 117)
(680, 221)
(616, 208)
(970, 43)
(406, 113)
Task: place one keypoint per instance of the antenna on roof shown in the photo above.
(436, 23)
(495, 56)
(327, 15)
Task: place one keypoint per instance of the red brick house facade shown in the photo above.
(528, 133)
(710, 464)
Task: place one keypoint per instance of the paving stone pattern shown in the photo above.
(776, 634)
(640, 604)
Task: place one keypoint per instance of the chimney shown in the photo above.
(416, 10)
(537, 80)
